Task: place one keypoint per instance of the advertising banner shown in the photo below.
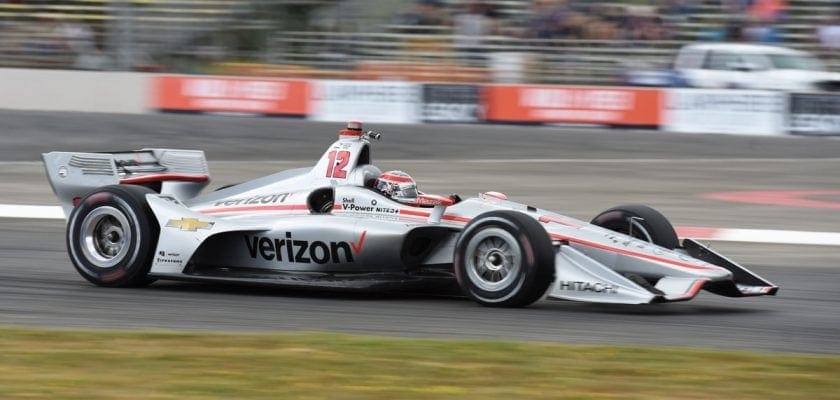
(369, 101)
(228, 94)
(451, 103)
(742, 112)
(814, 114)
(573, 104)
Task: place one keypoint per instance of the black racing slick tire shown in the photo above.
(112, 235)
(504, 259)
(647, 224)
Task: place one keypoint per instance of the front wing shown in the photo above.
(581, 278)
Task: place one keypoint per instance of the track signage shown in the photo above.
(814, 114)
(573, 104)
(230, 94)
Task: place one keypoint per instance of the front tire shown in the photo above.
(112, 235)
(647, 224)
(504, 259)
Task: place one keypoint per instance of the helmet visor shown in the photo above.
(406, 191)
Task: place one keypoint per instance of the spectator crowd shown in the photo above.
(548, 19)
(745, 20)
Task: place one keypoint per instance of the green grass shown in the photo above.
(95, 364)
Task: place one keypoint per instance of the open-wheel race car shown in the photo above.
(138, 216)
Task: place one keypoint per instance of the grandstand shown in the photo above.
(361, 38)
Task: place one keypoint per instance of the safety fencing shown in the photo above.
(676, 110)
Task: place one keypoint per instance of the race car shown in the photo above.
(139, 216)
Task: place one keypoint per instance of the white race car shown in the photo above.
(135, 217)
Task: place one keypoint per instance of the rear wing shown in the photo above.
(181, 173)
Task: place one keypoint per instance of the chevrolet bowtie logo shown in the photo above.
(189, 224)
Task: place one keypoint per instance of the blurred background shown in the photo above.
(723, 107)
(480, 41)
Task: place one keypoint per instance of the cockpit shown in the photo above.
(348, 163)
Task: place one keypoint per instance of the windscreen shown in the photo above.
(795, 61)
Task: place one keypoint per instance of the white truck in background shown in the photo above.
(753, 66)
(741, 66)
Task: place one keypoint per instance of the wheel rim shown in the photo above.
(106, 235)
(493, 259)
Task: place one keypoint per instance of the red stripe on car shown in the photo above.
(281, 207)
(632, 253)
(165, 177)
(547, 218)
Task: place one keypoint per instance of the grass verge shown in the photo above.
(97, 364)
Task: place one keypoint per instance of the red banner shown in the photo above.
(574, 104)
(226, 94)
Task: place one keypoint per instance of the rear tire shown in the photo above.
(504, 259)
(112, 235)
(648, 224)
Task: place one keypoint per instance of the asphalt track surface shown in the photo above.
(577, 171)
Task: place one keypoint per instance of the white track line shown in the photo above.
(760, 236)
(554, 160)
(27, 211)
(700, 233)
(634, 160)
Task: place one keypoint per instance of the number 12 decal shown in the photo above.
(338, 161)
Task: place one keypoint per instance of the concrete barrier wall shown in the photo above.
(80, 91)
(670, 109)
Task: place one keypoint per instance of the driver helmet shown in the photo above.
(398, 186)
